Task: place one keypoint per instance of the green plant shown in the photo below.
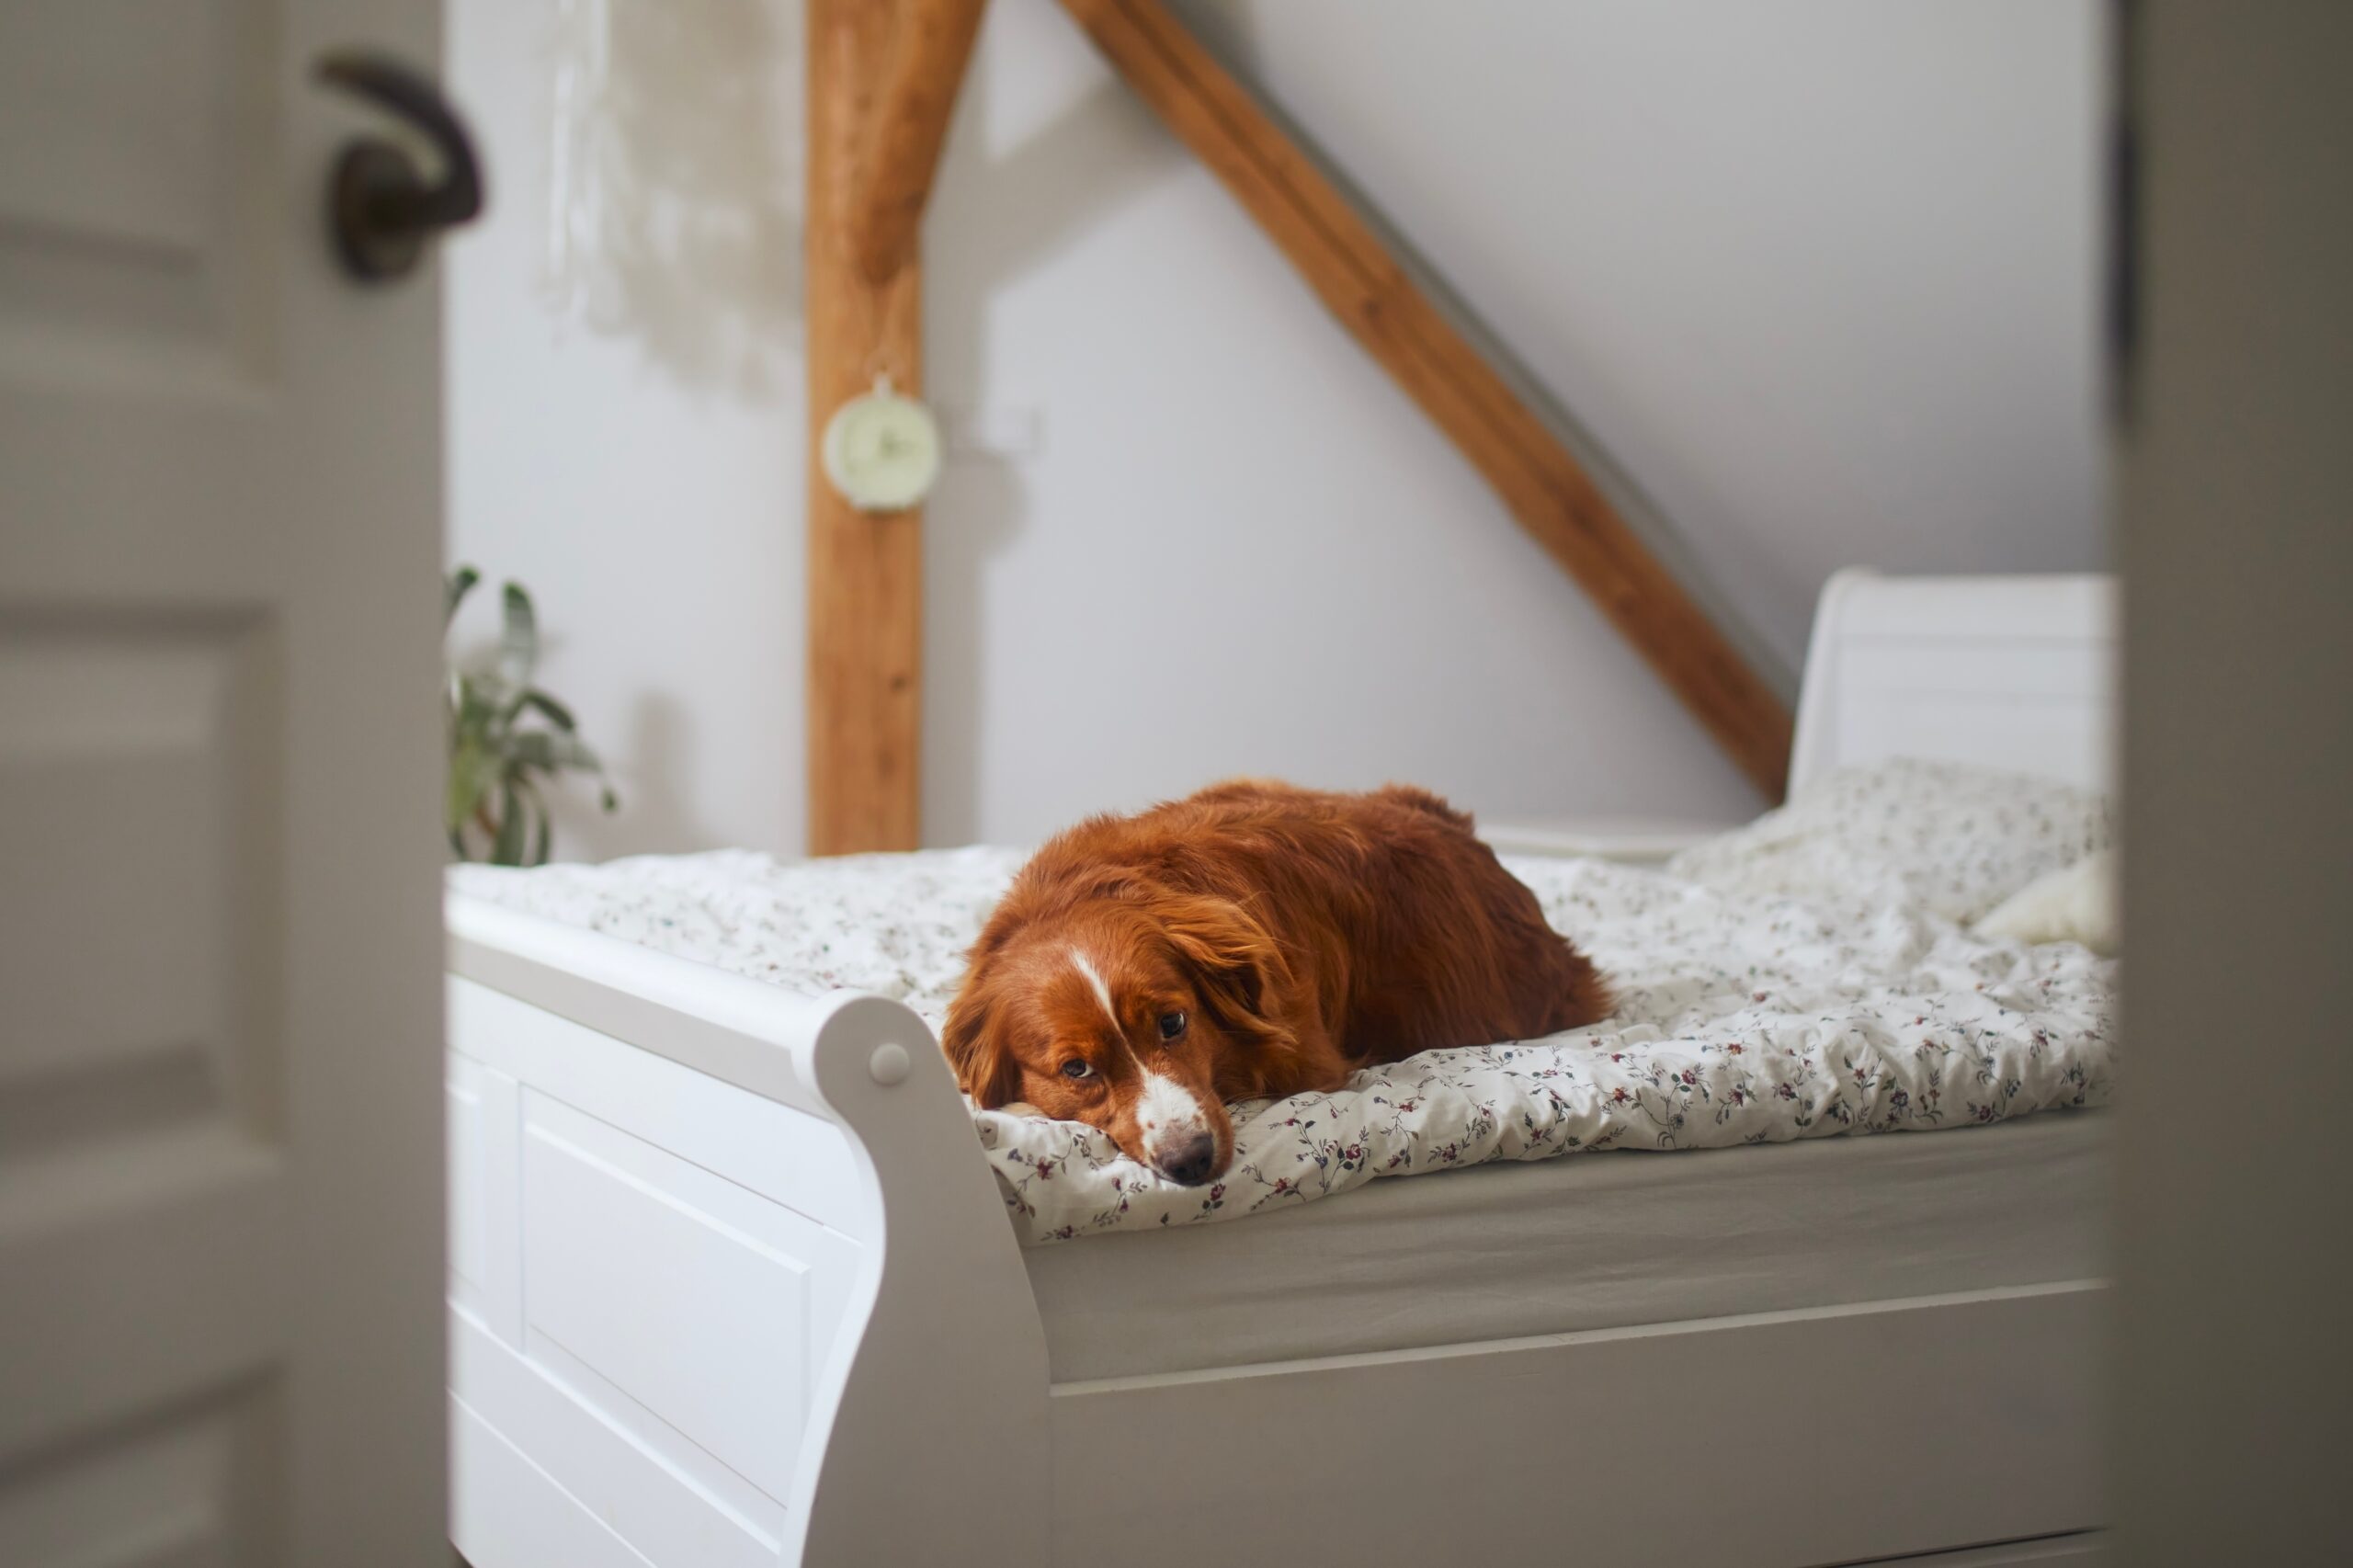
(505, 737)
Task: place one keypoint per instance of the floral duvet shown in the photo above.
(1807, 976)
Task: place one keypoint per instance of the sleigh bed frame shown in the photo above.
(732, 1284)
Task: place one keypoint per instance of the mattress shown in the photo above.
(1510, 1251)
(1810, 975)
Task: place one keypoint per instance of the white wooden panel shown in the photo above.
(785, 1155)
(654, 1373)
(678, 1508)
(139, 1077)
(728, 1026)
(1827, 1437)
(2032, 669)
(93, 1241)
(2040, 703)
(2060, 736)
(130, 762)
(485, 1130)
(2005, 672)
(135, 149)
(101, 140)
(506, 1512)
(635, 1262)
(178, 1496)
(468, 1196)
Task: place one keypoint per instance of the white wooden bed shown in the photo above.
(730, 1283)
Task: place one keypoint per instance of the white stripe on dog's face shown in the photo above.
(1165, 1108)
(1102, 992)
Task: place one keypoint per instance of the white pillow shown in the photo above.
(2078, 904)
(1943, 837)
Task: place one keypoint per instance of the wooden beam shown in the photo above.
(1537, 477)
(908, 127)
(865, 570)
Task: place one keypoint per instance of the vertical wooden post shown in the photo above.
(865, 570)
(907, 127)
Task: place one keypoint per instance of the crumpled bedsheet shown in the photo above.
(1806, 976)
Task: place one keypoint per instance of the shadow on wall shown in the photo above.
(672, 197)
(1004, 214)
(658, 805)
(1229, 29)
(646, 764)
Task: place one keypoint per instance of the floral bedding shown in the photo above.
(1806, 976)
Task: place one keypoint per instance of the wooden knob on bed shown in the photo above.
(889, 1064)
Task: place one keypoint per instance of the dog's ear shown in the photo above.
(1240, 968)
(984, 1069)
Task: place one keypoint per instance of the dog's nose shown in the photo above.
(1187, 1160)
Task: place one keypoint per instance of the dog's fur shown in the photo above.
(1277, 937)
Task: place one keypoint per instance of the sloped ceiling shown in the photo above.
(1820, 274)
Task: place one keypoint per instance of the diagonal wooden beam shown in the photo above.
(907, 127)
(865, 587)
(1541, 482)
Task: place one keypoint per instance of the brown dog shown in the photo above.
(1254, 939)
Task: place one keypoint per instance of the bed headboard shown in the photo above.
(2010, 671)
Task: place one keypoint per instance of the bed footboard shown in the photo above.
(730, 1280)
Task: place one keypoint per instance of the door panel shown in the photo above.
(220, 1100)
(178, 1496)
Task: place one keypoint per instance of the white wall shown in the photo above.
(639, 471)
(1821, 274)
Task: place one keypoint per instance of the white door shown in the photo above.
(220, 1036)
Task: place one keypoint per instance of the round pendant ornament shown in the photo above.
(881, 450)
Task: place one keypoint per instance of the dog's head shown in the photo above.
(1139, 1012)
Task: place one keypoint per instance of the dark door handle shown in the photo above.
(381, 208)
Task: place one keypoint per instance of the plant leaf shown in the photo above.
(507, 848)
(551, 751)
(494, 762)
(471, 773)
(543, 824)
(555, 713)
(474, 709)
(454, 589)
(518, 638)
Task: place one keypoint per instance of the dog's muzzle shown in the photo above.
(1189, 1158)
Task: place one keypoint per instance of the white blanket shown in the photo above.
(1803, 977)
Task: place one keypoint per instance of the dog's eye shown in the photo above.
(1074, 1068)
(1171, 1025)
